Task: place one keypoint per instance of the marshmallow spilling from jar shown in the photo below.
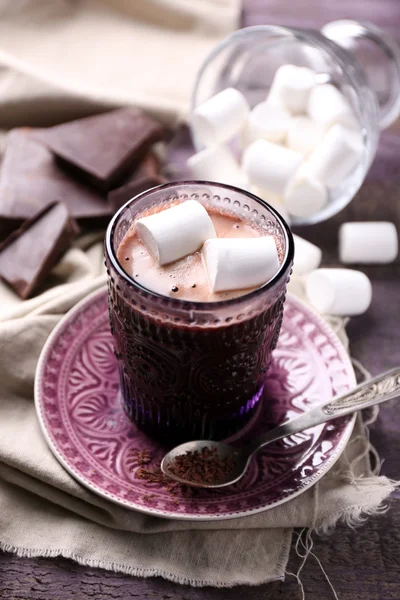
(307, 256)
(340, 292)
(299, 143)
(373, 242)
(230, 263)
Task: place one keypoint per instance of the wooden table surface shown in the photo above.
(361, 563)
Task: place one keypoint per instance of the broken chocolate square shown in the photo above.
(30, 180)
(146, 176)
(121, 195)
(103, 148)
(28, 254)
(149, 166)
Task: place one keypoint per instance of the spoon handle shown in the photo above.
(374, 391)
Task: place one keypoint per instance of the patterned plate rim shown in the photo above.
(81, 306)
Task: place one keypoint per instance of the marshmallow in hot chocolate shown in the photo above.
(233, 263)
(175, 232)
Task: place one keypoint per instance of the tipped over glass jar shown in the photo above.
(355, 61)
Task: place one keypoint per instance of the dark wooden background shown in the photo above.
(362, 563)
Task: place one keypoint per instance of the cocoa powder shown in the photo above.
(202, 466)
(155, 475)
(142, 456)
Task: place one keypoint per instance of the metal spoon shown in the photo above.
(374, 391)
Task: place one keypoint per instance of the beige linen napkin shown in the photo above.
(45, 512)
(62, 59)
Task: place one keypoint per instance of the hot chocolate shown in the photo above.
(185, 278)
(192, 363)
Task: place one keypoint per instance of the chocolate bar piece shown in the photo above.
(146, 176)
(121, 195)
(30, 252)
(149, 166)
(30, 180)
(101, 149)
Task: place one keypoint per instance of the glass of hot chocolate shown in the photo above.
(193, 361)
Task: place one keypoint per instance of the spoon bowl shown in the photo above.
(237, 458)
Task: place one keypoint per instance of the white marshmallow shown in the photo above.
(241, 181)
(270, 166)
(327, 105)
(175, 232)
(341, 292)
(304, 134)
(274, 200)
(307, 256)
(239, 263)
(336, 156)
(291, 87)
(305, 195)
(368, 243)
(268, 122)
(216, 163)
(221, 117)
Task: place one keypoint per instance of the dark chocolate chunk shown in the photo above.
(118, 197)
(145, 176)
(28, 254)
(30, 180)
(103, 148)
(149, 166)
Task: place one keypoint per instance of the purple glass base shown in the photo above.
(165, 427)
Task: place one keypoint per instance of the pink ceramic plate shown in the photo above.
(83, 422)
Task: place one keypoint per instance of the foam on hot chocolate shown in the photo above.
(186, 278)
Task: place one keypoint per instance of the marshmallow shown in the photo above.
(291, 87)
(305, 195)
(327, 105)
(240, 181)
(216, 163)
(175, 232)
(307, 256)
(341, 292)
(270, 166)
(336, 156)
(240, 263)
(221, 117)
(304, 134)
(268, 122)
(273, 200)
(368, 243)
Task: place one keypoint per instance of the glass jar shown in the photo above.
(358, 58)
(192, 370)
